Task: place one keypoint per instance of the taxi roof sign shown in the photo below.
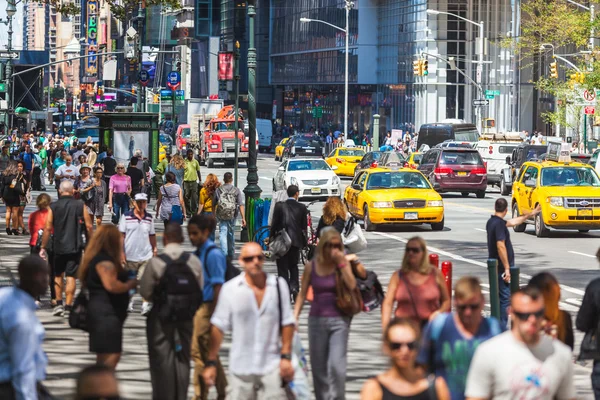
(559, 152)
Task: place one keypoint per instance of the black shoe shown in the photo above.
(15, 232)
(8, 231)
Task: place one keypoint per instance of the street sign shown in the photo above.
(589, 95)
(143, 77)
(317, 112)
(9, 54)
(481, 102)
(589, 110)
(489, 96)
(2, 87)
(492, 93)
(173, 80)
(496, 93)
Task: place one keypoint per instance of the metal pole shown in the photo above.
(236, 126)
(348, 5)
(252, 190)
(9, 75)
(492, 265)
(140, 24)
(173, 110)
(479, 76)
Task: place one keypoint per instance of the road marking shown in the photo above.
(265, 178)
(480, 230)
(469, 261)
(581, 254)
(576, 302)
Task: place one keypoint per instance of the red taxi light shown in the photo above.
(340, 160)
(374, 164)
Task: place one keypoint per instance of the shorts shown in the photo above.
(67, 264)
(137, 266)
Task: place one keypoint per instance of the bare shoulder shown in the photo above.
(443, 393)
(371, 390)
(106, 265)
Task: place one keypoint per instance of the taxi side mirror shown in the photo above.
(508, 159)
(530, 183)
(281, 168)
(356, 186)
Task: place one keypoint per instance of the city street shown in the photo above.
(570, 256)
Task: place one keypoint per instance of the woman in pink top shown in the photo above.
(119, 190)
(418, 289)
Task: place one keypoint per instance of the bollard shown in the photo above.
(515, 279)
(434, 260)
(492, 264)
(447, 272)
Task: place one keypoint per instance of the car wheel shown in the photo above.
(480, 194)
(464, 194)
(504, 190)
(210, 163)
(515, 213)
(369, 226)
(584, 230)
(540, 226)
(438, 226)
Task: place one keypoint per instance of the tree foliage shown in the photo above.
(120, 9)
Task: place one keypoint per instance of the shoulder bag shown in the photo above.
(349, 302)
(352, 236)
(590, 345)
(281, 243)
(176, 214)
(79, 313)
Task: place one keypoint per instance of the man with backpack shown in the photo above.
(214, 267)
(229, 203)
(174, 282)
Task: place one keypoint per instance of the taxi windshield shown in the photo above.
(569, 176)
(397, 180)
(308, 165)
(351, 153)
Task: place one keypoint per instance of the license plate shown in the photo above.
(308, 150)
(586, 212)
(315, 190)
(461, 173)
(411, 215)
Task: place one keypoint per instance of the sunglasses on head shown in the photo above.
(259, 257)
(398, 345)
(414, 250)
(524, 316)
(472, 307)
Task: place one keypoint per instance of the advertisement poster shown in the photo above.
(127, 142)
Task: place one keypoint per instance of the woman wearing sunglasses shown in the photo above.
(403, 381)
(328, 328)
(418, 289)
(119, 191)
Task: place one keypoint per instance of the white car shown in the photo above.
(313, 176)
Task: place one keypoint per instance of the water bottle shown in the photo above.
(131, 274)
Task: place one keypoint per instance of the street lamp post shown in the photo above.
(349, 5)
(11, 10)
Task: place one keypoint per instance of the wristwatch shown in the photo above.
(210, 363)
(286, 356)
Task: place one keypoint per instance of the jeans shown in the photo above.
(226, 237)
(596, 379)
(212, 234)
(190, 197)
(504, 297)
(328, 345)
(120, 204)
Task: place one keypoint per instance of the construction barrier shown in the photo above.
(447, 272)
(492, 265)
(434, 260)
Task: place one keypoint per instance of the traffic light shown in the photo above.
(178, 66)
(417, 67)
(156, 99)
(554, 70)
(424, 67)
(577, 77)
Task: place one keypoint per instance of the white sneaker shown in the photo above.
(146, 307)
(59, 311)
(130, 308)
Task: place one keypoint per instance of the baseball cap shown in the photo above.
(141, 197)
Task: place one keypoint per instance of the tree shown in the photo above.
(120, 9)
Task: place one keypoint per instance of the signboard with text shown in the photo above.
(91, 66)
(226, 66)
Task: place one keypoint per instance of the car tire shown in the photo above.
(504, 189)
(210, 163)
(515, 213)
(438, 226)
(540, 226)
(480, 194)
(464, 194)
(369, 226)
(584, 230)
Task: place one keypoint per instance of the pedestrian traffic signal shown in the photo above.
(417, 67)
(424, 67)
(554, 70)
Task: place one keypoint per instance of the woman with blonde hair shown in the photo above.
(418, 289)
(207, 195)
(14, 186)
(334, 214)
(328, 328)
(177, 166)
(103, 275)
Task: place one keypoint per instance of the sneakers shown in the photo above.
(130, 308)
(59, 311)
(146, 307)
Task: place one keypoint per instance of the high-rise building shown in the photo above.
(35, 26)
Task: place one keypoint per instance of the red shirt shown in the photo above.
(37, 221)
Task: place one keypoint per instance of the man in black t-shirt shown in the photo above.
(110, 168)
(500, 248)
(136, 175)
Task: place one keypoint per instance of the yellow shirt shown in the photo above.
(191, 168)
(206, 200)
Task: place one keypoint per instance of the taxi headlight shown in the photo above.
(293, 181)
(214, 146)
(335, 180)
(555, 201)
(435, 203)
(381, 204)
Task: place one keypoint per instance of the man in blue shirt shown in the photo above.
(450, 340)
(214, 265)
(22, 359)
(28, 158)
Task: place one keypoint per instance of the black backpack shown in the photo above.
(178, 295)
(371, 291)
(231, 271)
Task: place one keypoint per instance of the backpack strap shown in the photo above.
(279, 302)
(206, 256)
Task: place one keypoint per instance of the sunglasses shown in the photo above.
(120, 168)
(335, 245)
(398, 345)
(524, 316)
(414, 250)
(472, 307)
(259, 257)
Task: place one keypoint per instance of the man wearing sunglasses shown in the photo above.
(450, 340)
(523, 363)
(256, 308)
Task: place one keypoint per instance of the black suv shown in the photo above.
(522, 153)
(304, 144)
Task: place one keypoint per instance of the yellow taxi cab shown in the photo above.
(414, 160)
(394, 196)
(567, 192)
(345, 159)
(279, 149)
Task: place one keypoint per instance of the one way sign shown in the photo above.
(481, 102)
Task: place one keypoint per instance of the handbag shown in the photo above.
(352, 236)
(79, 313)
(349, 302)
(280, 244)
(590, 346)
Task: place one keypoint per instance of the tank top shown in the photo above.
(323, 304)
(427, 394)
(426, 298)
(170, 198)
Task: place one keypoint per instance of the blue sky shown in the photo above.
(17, 26)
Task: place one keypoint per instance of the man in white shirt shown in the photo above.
(523, 363)
(67, 171)
(256, 308)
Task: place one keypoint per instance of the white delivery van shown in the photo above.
(493, 150)
(264, 132)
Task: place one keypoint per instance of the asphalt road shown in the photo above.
(568, 255)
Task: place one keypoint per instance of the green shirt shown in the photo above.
(191, 170)
(44, 157)
(162, 166)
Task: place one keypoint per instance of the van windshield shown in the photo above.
(466, 136)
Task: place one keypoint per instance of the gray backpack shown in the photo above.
(227, 205)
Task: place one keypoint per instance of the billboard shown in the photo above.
(91, 66)
(226, 66)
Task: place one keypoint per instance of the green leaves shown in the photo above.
(120, 9)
